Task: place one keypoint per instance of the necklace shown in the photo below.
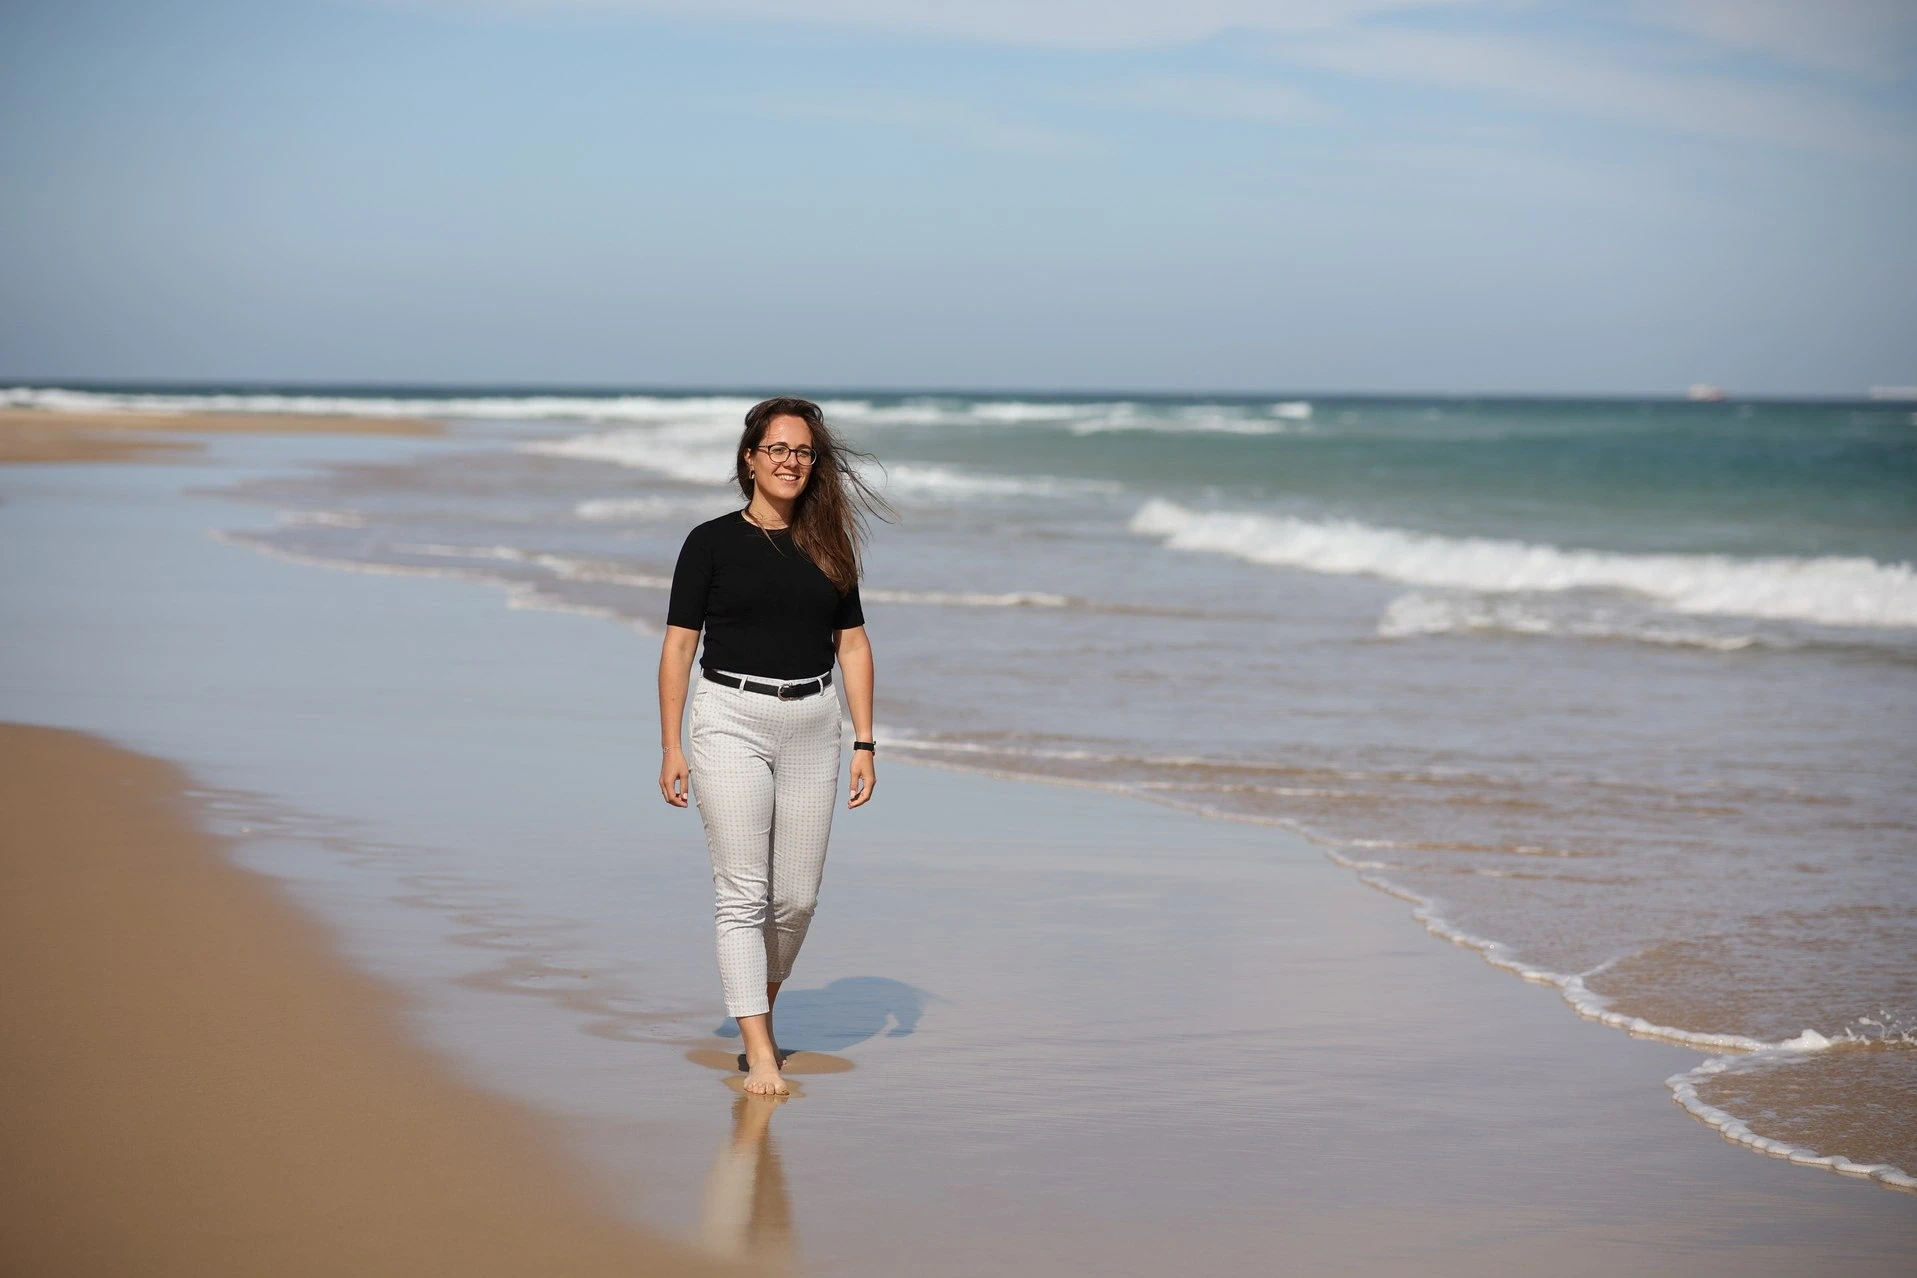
(747, 514)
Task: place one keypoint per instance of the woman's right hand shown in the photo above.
(674, 777)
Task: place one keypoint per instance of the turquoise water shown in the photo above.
(1774, 478)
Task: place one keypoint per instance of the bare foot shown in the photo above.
(763, 1079)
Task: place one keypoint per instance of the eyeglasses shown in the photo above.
(779, 452)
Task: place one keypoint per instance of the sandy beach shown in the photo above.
(1055, 1030)
(194, 1083)
(45, 435)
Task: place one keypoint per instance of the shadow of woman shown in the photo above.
(849, 1010)
(746, 1214)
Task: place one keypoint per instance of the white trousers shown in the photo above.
(765, 774)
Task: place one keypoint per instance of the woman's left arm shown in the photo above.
(855, 668)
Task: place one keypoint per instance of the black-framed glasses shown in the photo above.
(803, 454)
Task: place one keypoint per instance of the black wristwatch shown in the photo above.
(873, 746)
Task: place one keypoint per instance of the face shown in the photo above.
(786, 479)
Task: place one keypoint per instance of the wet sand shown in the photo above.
(193, 1083)
(44, 435)
(1085, 1034)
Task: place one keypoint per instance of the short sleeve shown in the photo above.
(691, 583)
(851, 613)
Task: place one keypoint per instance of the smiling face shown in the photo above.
(784, 480)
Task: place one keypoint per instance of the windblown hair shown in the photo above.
(828, 521)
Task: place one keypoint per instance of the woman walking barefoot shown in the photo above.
(775, 587)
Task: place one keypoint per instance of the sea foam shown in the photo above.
(647, 408)
(1418, 614)
(1829, 590)
(639, 509)
(702, 454)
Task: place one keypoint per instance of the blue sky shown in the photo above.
(1392, 195)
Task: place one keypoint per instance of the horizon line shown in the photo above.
(342, 386)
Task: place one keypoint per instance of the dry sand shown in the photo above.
(40, 435)
(192, 1083)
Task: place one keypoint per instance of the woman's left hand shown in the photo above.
(864, 778)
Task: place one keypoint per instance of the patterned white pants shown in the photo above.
(765, 774)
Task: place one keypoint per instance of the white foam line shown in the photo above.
(1593, 1007)
(1417, 615)
(1584, 1001)
(647, 408)
(322, 518)
(1150, 761)
(533, 601)
(562, 566)
(443, 551)
(1734, 1129)
(604, 509)
(519, 594)
(590, 571)
(584, 570)
(966, 599)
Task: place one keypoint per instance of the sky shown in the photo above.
(1388, 196)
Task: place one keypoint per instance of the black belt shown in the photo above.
(783, 691)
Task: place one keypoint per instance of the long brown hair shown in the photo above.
(828, 521)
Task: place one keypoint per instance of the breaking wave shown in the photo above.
(694, 455)
(1827, 591)
(1415, 615)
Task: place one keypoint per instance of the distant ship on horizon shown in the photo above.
(1705, 393)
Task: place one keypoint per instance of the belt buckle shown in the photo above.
(787, 693)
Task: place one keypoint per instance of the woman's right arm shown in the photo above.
(675, 675)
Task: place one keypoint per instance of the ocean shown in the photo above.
(1619, 693)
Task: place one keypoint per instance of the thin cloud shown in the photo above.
(1091, 25)
(1871, 37)
(1536, 73)
(1874, 38)
(1795, 73)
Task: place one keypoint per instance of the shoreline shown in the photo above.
(1426, 913)
(51, 436)
(195, 1083)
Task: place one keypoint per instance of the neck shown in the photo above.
(769, 512)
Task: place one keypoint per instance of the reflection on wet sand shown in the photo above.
(746, 1215)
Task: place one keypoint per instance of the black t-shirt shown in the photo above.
(766, 609)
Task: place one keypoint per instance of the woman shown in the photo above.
(775, 587)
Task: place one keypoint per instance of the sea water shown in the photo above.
(1620, 693)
